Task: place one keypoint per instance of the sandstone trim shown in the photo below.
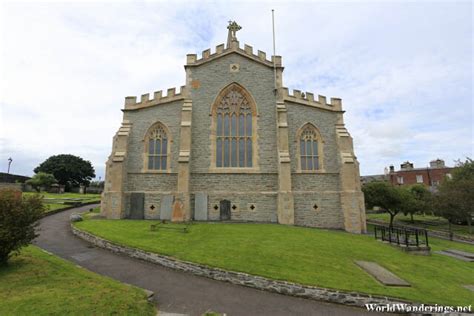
(239, 278)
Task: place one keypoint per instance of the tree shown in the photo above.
(41, 179)
(69, 170)
(418, 202)
(386, 196)
(455, 197)
(18, 219)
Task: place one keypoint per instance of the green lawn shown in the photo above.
(37, 283)
(55, 201)
(423, 221)
(303, 255)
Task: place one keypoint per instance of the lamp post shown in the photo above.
(9, 163)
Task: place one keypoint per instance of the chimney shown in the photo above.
(392, 169)
(406, 166)
(438, 163)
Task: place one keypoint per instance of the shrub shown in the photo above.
(18, 219)
(41, 179)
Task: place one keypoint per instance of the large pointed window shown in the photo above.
(234, 120)
(157, 153)
(310, 148)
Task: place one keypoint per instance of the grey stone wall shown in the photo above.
(152, 205)
(163, 182)
(213, 77)
(244, 279)
(325, 121)
(242, 190)
(314, 182)
(170, 115)
(320, 189)
(318, 209)
(225, 182)
(264, 206)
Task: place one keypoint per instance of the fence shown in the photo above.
(402, 236)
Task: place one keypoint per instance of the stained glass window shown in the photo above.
(309, 155)
(234, 131)
(157, 149)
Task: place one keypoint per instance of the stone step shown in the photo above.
(466, 254)
(381, 274)
(450, 254)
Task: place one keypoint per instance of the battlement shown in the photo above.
(158, 98)
(307, 98)
(221, 50)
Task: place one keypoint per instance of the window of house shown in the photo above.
(234, 130)
(400, 180)
(419, 179)
(309, 148)
(157, 149)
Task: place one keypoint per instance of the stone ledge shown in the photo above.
(239, 278)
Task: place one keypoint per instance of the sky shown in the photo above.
(403, 70)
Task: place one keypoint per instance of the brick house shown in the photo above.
(430, 176)
(235, 144)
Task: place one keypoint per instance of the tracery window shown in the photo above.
(309, 142)
(157, 149)
(234, 141)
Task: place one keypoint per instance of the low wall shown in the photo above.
(6, 185)
(257, 282)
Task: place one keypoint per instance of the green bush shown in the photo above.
(18, 219)
(42, 179)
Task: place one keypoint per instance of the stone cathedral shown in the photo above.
(233, 144)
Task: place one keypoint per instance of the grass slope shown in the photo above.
(303, 255)
(37, 283)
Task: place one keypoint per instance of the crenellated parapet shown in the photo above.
(158, 98)
(308, 98)
(220, 51)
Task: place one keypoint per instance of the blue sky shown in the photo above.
(403, 69)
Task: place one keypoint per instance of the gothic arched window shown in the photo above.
(234, 128)
(310, 148)
(157, 148)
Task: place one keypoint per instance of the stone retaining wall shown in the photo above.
(257, 282)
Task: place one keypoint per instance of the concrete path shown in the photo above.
(176, 292)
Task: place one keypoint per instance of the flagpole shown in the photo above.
(274, 54)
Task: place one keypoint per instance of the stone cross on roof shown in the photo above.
(233, 27)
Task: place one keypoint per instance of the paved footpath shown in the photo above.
(176, 292)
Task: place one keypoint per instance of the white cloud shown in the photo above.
(404, 70)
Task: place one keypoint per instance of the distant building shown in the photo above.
(374, 178)
(12, 181)
(430, 176)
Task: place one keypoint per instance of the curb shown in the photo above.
(244, 279)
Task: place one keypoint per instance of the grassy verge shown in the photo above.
(37, 283)
(308, 256)
(423, 221)
(55, 201)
